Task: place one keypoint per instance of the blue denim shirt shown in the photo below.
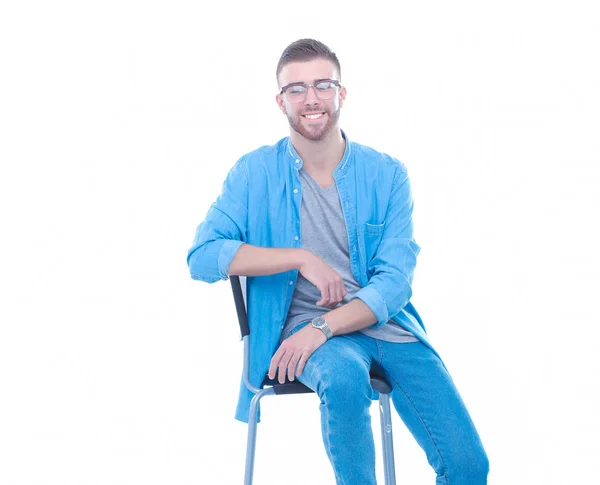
(260, 205)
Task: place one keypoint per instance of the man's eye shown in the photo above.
(325, 85)
(295, 90)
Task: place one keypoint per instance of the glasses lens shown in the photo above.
(325, 89)
(295, 94)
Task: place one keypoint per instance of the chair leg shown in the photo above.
(387, 439)
(252, 422)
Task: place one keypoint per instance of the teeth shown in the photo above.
(313, 117)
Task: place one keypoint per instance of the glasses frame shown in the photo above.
(308, 86)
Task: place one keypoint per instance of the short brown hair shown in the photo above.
(304, 50)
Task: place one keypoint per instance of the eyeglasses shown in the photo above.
(297, 92)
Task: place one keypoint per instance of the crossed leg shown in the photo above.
(423, 394)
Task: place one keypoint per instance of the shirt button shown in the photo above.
(354, 247)
(295, 191)
(291, 283)
(296, 238)
(297, 161)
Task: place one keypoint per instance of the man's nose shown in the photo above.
(311, 96)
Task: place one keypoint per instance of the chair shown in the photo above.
(273, 387)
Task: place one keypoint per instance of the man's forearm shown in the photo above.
(252, 260)
(350, 317)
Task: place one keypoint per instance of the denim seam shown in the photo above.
(424, 424)
(328, 432)
(379, 352)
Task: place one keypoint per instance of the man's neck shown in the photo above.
(323, 156)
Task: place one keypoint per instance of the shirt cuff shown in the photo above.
(375, 302)
(226, 255)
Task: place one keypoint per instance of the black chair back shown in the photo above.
(238, 285)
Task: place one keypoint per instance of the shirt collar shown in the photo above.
(341, 168)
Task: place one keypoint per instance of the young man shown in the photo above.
(322, 228)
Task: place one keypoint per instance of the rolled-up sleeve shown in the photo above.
(223, 230)
(392, 267)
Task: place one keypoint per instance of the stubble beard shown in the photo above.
(314, 133)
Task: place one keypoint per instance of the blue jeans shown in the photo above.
(423, 394)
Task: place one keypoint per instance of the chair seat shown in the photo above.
(378, 383)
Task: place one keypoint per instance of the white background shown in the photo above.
(119, 121)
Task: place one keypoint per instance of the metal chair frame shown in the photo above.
(273, 387)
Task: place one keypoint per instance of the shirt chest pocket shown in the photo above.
(369, 236)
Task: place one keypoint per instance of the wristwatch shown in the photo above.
(321, 323)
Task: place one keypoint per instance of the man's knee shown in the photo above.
(345, 385)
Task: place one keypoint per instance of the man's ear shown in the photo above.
(342, 96)
(279, 101)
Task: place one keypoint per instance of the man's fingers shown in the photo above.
(324, 296)
(292, 366)
(301, 364)
(334, 298)
(338, 291)
(283, 364)
(275, 363)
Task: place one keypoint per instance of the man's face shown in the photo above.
(317, 128)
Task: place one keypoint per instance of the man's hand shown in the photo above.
(328, 281)
(294, 351)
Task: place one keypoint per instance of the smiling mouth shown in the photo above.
(313, 116)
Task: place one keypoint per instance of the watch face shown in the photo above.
(318, 322)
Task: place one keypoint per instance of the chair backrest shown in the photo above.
(238, 285)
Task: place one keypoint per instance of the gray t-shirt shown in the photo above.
(323, 232)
